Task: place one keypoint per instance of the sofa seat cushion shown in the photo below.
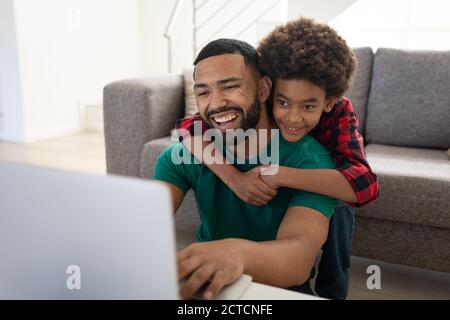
(187, 218)
(414, 185)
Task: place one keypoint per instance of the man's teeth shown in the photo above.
(226, 118)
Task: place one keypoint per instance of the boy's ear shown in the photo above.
(265, 85)
(329, 104)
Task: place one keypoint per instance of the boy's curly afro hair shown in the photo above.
(306, 50)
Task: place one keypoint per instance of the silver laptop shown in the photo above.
(66, 235)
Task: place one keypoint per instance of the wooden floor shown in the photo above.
(85, 152)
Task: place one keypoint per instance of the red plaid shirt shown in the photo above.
(338, 132)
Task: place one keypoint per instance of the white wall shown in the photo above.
(63, 52)
(407, 24)
(68, 50)
(11, 115)
(154, 17)
(323, 11)
(57, 55)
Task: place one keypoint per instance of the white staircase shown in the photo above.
(194, 23)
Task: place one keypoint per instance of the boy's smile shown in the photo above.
(297, 107)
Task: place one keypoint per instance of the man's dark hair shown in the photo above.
(306, 50)
(230, 46)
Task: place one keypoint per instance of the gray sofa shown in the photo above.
(402, 100)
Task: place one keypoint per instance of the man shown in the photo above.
(277, 243)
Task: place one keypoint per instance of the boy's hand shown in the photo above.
(249, 187)
(270, 175)
(217, 262)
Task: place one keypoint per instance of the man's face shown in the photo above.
(226, 92)
(297, 107)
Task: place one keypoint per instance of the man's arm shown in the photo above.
(292, 255)
(177, 195)
(170, 171)
(300, 237)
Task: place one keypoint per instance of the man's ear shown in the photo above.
(265, 85)
(329, 104)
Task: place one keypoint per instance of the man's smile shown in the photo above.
(226, 120)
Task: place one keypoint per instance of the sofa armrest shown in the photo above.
(136, 111)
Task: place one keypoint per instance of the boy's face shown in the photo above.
(297, 107)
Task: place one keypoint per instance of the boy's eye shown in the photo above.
(309, 107)
(282, 103)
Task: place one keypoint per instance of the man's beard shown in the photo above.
(252, 118)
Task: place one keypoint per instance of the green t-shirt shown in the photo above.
(223, 214)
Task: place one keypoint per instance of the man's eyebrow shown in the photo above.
(232, 79)
(220, 82)
(200, 85)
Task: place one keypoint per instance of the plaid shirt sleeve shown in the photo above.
(188, 123)
(338, 132)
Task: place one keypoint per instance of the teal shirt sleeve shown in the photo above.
(319, 202)
(170, 167)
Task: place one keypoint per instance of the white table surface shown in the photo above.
(259, 291)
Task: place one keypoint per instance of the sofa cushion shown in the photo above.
(136, 111)
(359, 90)
(414, 185)
(402, 243)
(409, 99)
(187, 218)
(150, 153)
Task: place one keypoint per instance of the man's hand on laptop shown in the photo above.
(214, 264)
